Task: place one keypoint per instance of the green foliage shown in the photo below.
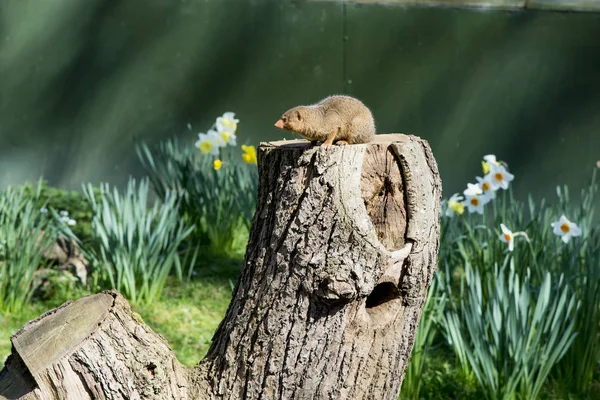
(64, 200)
(219, 202)
(426, 333)
(25, 235)
(508, 340)
(51, 284)
(137, 245)
(490, 299)
(580, 262)
(441, 379)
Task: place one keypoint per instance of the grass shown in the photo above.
(198, 307)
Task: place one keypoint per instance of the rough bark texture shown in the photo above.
(342, 249)
(94, 348)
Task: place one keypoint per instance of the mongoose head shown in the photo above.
(291, 120)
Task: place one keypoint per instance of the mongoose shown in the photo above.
(340, 119)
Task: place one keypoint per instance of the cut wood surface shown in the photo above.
(342, 249)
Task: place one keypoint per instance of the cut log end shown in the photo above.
(91, 348)
(65, 327)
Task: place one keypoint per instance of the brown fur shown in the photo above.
(335, 118)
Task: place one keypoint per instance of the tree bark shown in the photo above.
(342, 249)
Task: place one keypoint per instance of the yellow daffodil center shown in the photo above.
(475, 201)
(226, 135)
(457, 207)
(206, 146)
(485, 186)
(565, 228)
(229, 123)
(498, 176)
(217, 164)
(507, 237)
(485, 166)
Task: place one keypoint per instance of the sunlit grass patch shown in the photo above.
(188, 315)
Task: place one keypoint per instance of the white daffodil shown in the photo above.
(475, 203)
(474, 198)
(472, 190)
(206, 143)
(227, 122)
(485, 184)
(228, 136)
(489, 160)
(218, 139)
(71, 222)
(499, 177)
(455, 205)
(64, 213)
(565, 229)
(226, 127)
(43, 210)
(507, 237)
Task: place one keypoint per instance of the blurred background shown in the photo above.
(79, 80)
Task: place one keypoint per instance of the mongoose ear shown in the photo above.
(298, 115)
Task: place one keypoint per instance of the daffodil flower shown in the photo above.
(499, 177)
(71, 222)
(455, 205)
(474, 198)
(228, 136)
(489, 160)
(218, 139)
(565, 229)
(209, 143)
(206, 145)
(472, 190)
(507, 237)
(227, 122)
(475, 203)
(249, 155)
(217, 164)
(43, 210)
(485, 184)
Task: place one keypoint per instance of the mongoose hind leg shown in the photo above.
(341, 142)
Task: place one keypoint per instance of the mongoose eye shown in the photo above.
(298, 116)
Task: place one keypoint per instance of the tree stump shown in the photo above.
(342, 249)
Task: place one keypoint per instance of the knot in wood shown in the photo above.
(334, 292)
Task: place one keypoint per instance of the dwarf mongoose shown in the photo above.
(340, 119)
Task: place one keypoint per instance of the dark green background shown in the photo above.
(80, 79)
